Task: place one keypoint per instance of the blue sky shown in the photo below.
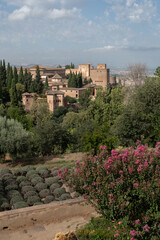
(52, 32)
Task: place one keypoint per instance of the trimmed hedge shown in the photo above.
(49, 181)
(36, 180)
(54, 186)
(25, 183)
(18, 172)
(4, 171)
(44, 193)
(21, 204)
(27, 168)
(44, 173)
(58, 192)
(13, 186)
(31, 173)
(16, 199)
(26, 189)
(29, 194)
(49, 198)
(41, 168)
(33, 199)
(21, 179)
(5, 206)
(65, 196)
(40, 186)
(12, 193)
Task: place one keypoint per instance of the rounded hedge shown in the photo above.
(40, 186)
(25, 183)
(65, 196)
(29, 194)
(12, 193)
(26, 189)
(31, 173)
(36, 180)
(21, 179)
(54, 186)
(21, 204)
(58, 192)
(18, 172)
(49, 181)
(41, 168)
(5, 206)
(49, 198)
(27, 168)
(33, 199)
(54, 173)
(9, 181)
(7, 176)
(44, 193)
(13, 186)
(16, 199)
(4, 171)
(44, 173)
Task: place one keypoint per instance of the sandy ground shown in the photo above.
(44, 231)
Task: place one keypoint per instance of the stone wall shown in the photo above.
(47, 213)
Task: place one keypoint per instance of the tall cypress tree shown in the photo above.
(79, 80)
(46, 84)
(4, 84)
(13, 94)
(15, 75)
(20, 76)
(38, 85)
(10, 77)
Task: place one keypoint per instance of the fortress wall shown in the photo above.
(99, 77)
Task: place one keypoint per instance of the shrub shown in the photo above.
(41, 168)
(21, 204)
(31, 173)
(36, 180)
(58, 192)
(4, 171)
(25, 183)
(9, 181)
(26, 189)
(29, 194)
(18, 172)
(49, 199)
(16, 199)
(44, 193)
(7, 176)
(12, 193)
(13, 186)
(54, 173)
(5, 206)
(21, 179)
(65, 196)
(27, 168)
(3, 200)
(44, 173)
(123, 184)
(32, 199)
(54, 186)
(40, 186)
(33, 176)
(49, 181)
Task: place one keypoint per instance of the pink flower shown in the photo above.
(109, 228)
(119, 222)
(136, 185)
(145, 163)
(140, 168)
(131, 170)
(137, 221)
(120, 172)
(133, 233)
(133, 239)
(102, 147)
(137, 162)
(117, 233)
(146, 228)
(77, 162)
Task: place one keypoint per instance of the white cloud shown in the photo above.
(20, 14)
(63, 13)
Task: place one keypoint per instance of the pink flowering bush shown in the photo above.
(122, 184)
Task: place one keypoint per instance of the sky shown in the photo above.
(52, 32)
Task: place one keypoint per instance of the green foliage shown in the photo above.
(26, 189)
(49, 181)
(18, 172)
(58, 192)
(69, 66)
(4, 171)
(21, 76)
(36, 180)
(13, 93)
(16, 199)
(14, 139)
(30, 194)
(27, 168)
(157, 72)
(37, 83)
(54, 186)
(11, 187)
(40, 186)
(74, 80)
(30, 173)
(44, 193)
(40, 112)
(59, 114)
(12, 193)
(140, 118)
(21, 204)
(5, 206)
(65, 196)
(25, 183)
(70, 99)
(48, 199)
(21, 179)
(32, 199)
(85, 99)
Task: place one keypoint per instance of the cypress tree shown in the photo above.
(38, 85)
(79, 80)
(13, 94)
(4, 84)
(46, 84)
(15, 75)
(10, 77)
(20, 76)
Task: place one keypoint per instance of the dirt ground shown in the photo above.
(44, 231)
(67, 159)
